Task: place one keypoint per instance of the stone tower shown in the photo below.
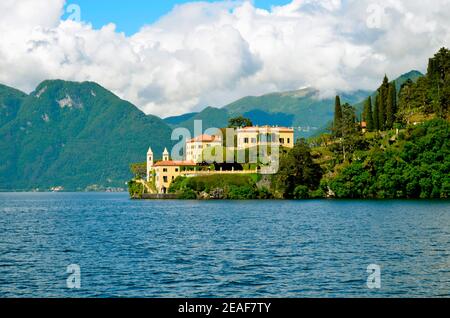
(149, 163)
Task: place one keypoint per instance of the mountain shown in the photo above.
(176, 120)
(211, 118)
(302, 109)
(74, 135)
(10, 101)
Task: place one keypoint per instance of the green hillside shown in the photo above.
(73, 135)
(10, 101)
(302, 109)
(211, 118)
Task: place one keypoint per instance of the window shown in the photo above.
(165, 179)
(176, 170)
(289, 140)
(173, 178)
(165, 170)
(245, 140)
(281, 140)
(253, 140)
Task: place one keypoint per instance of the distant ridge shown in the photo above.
(301, 108)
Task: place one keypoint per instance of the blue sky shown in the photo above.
(129, 16)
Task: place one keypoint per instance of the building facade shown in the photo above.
(258, 136)
(164, 172)
(196, 146)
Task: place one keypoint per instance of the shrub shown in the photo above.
(136, 190)
(188, 194)
(301, 192)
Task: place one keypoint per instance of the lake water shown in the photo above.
(221, 249)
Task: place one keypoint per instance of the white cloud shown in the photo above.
(213, 53)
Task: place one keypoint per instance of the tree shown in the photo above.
(376, 110)
(367, 114)
(391, 108)
(405, 101)
(239, 122)
(382, 103)
(349, 130)
(297, 168)
(139, 170)
(438, 76)
(337, 117)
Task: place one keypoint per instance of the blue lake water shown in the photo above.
(221, 249)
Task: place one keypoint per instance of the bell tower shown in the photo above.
(165, 155)
(149, 163)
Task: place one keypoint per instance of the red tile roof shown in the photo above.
(172, 163)
(204, 138)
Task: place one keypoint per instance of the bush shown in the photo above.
(317, 194)
(265, 194)
(246, 192)
(301, 192)
(188, 194)
(136, 190)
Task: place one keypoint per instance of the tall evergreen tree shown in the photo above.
(382, 108)
(391, 106)
(375, 117)
(367, 114)
(337, 117)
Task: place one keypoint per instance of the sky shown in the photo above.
(173, 57)
(130, 16)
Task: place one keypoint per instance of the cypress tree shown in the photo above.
(375, 116)
(383, 92)
(394, 100)
(337, 116)
(381, 109)
(391, 108)
(367, 115)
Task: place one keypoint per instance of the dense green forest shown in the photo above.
(403, 148)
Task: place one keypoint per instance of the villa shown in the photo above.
(195, 147)
(162, 173)
(256, 136)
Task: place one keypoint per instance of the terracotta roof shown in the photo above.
(172, 163)
(204, 138)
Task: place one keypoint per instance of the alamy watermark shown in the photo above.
(74, 12)
(74, 279)
(374, 277)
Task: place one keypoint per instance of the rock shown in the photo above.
(204, 196)
(217, 194)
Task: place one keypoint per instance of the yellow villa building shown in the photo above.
(162, 173)
(196, 146)
(256, 136)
